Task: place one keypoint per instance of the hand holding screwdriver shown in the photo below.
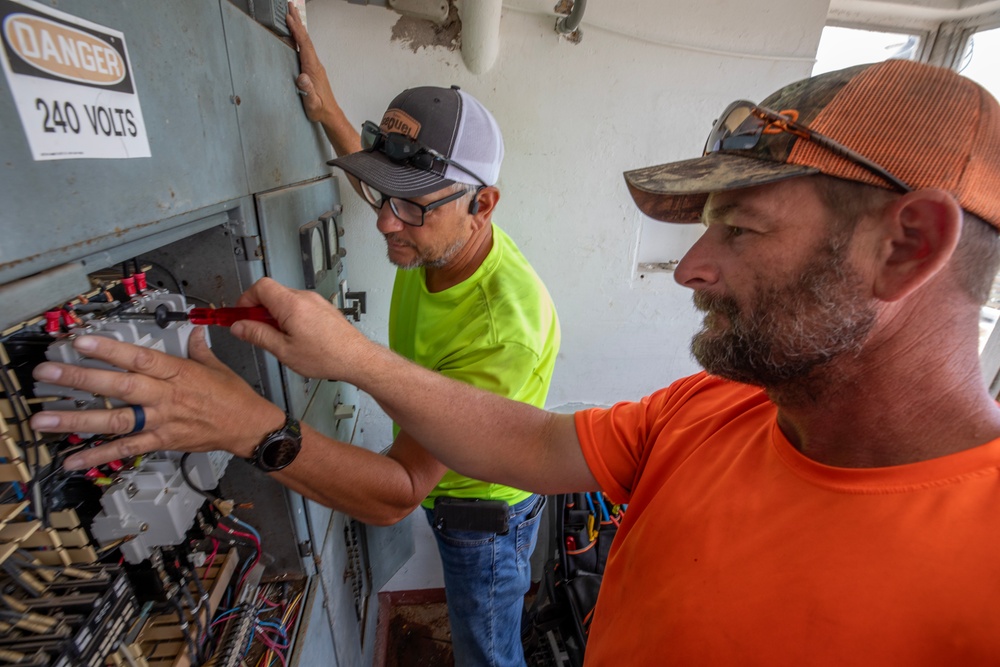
(222, 317)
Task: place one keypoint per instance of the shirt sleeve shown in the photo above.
(616, 441)
(506, 369)
(612, 443)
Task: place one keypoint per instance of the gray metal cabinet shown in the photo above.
(235, 184)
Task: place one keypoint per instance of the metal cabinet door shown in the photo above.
(286, 218)
(277, 151)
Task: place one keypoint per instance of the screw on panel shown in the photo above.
(235, 99)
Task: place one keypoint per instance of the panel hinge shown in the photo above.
(248, 248)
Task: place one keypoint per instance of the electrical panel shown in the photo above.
(155, 178)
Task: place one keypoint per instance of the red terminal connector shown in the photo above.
(71, 318)
(129, 285)
(116, 465)
(53, 321)
(140, 281)
(93, 473)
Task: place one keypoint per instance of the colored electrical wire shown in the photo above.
(283, 628)
(187, 478)
(211, 557)
(247, 526)
(177, 283)
(604, 507)
(183, 624)
(226, 615)
(576, 552)
(253, 537)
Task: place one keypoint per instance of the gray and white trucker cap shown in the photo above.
(447, 120)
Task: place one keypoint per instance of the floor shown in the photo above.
(419, 636)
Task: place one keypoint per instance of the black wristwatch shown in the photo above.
(279, 448)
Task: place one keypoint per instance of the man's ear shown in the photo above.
(920, 232)
(483, 203)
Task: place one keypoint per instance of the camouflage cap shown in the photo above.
(927, 125)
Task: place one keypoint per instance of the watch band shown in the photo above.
(279, 448)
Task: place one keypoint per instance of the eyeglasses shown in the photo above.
(400, 148)
(410, 212)
(743, 123)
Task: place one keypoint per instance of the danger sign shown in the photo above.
(72, 83)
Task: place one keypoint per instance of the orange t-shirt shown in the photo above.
(738, 550)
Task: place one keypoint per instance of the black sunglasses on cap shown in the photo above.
(400, 148)
(743, 123)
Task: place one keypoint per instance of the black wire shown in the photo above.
(160, 267)
(192, 297)
(188, 481)
(179, 573)
(194, 607)
(203, 604)
(185, 628)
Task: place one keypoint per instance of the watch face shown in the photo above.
(279, 448)
(278, 453)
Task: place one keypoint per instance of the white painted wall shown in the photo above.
(643, 87)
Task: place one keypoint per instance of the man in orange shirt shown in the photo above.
(826, 493)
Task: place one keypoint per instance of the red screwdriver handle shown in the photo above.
(224, 317)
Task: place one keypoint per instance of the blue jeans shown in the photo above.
(485, 579)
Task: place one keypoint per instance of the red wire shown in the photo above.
(583, 550)
(268, 642)
(256, 542)
(211, 557)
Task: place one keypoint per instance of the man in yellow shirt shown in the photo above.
(467, 304)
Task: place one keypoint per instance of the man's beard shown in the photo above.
(435, 263)
(787, 332)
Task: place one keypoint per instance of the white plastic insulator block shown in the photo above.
(480, 33)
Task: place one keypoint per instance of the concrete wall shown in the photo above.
(642, 87)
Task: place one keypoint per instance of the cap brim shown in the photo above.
(388, 177)
(677, 191)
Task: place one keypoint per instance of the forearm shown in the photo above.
(343, 137)
(319, 102)
(473, 432)
(370, 487)
(339, 130)
(477, 433)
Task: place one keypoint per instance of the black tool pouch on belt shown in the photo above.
(557, 624)
(488, 516)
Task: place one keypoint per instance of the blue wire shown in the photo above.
(224, 613)
(277, 626)
(246, 525)
(604, 507)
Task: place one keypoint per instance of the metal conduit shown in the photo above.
(568, 24)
